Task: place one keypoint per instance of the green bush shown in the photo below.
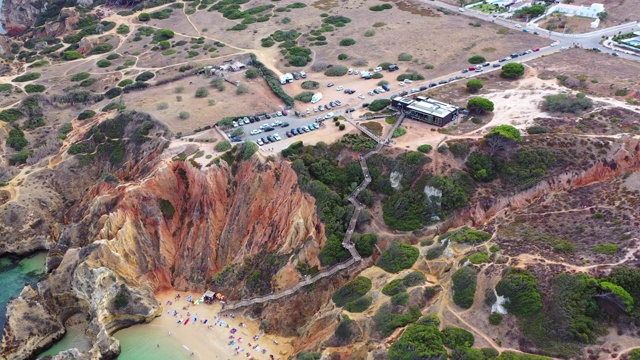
(466, 235)
(405, 57)
(6, 87)
(147, 75)
(144, 16)
(125, 82)
(479, 105)
(400, 285)
(71, 55)
(88, 82)
(304, 96)
(80, 76)
(414, 77)
(567, 103)
(464, 286)
(101, 49)
(86, 114)
(387, 319)
(474, 85)
(343, 57)
(359, 305)
(20, 157)
(382, 7)
(16, 139)
(113, 92)
(336, 70)
(455, 338)
(425, 148)
(398, 257)
(537, 129)
(347, 42)
(634, 354)
(418, 341)
(223, 146)
(459, 150)
(379, 104)
(202, 92)
(27, 77)
(377, 76)
(365, 244)
(477, 59)
(608, 249)
(495, 319)
(399, 132)
(512, 70)
(103, 63)
(310, 85)
(479, 258)
(31, 88)
(521, 288)
(352, 291)
(121, 300)
(166, 207)
(184, 115)
(252, 73)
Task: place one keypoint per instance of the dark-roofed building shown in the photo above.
(428, 110)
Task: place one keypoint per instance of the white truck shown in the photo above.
(316, 97)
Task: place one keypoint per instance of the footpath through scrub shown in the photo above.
(346, 242)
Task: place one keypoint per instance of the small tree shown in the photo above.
(218, 83)
(474, 85)
(501, 136)
(477, 59)
(242, 89)
(202, 92)
(144, 16)
(239, 131)
(341, 127)
(479, 105)
(184, 115)
(512, 71)
(252, 73)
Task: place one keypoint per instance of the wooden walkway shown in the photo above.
(346, 242)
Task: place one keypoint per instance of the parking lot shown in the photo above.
(294, 122)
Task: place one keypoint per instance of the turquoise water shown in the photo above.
(73, 338)
(2, 30)
(140, 342)
(14, 274)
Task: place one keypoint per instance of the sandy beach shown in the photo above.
(216, 339)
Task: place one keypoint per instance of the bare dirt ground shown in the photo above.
(620, 11)
(567, 24)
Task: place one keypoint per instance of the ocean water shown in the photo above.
(73, 338)
(140, 342)
(2, 30)
(14, 274)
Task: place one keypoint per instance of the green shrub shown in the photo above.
(304, 96)
(101, 49)
(479, 105)
(166, 207)
(144, 16)
(398, 257)
(343, 331)
(252, 73)
(121, 300)
(103, 63)
(567, 103)
(418, 341)
(88, 82)
(223, 146)
(365, 244)
(352, 291)
(202, 92)
(466, 235)
(474, 85)
(71, 55)
(80, 76)
(31, 88)
(86, 114)
(27, 77)
(400, 285)
(184, 115)
(537, 129)
(405, 57)
(414, 77)
(125, 82)
(20, 157)
(147, 75)
(521, 288)
(6, 87)
(477, 59)
(512, 70)
(337, 70)
(479, 258)
(359, 305)
(381, 7)
(608, 249)
(495, 319)
(379, 104)
(113, 92)
(459, 150)
(425, 148)
(464, 286)
(455, 338)
(16, 139)
(634, 354)
(387, 319)
(123, 29)
(347, 42)
(343, 57)
(310, 85)
(399, 132)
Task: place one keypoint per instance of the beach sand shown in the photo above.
(211, 341)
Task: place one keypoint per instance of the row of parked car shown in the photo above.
(268, 139)
(302, 130)
(252, 119)
(329, 106)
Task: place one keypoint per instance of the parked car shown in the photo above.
(288, 133)
(267, 116)
(393, 67)
(339, 88)
(303, 74)
(472, 68)
(269, 129)
(536, 49)
(536, 33)
(285, 124)
(432, 84)
(284, 112)
(401, 83)
(329, 115)
(330, 84)
(386, 87)
(442, 82)
(278, 113)
(486, 64)
(265, 140)
(461, 9)
(365, 104)
(350, 71)
(496, 65)
(465, 71)
(518, 26)
(338, 102)
(321, 108)
(378, 69)
(296, 76)
(361, 96)
(328, 107)
(615, 54)
(294, 132)
(236, 139)
(277, 136)
(259, 142)
(423, 87)
(349, 110)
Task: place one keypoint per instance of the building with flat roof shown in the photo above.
(428, 110)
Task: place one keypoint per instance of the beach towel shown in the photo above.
(205, 321)
(186, 321)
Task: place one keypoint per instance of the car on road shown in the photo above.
(514, 55)
(442, 82)
(615, 54)
(423, 87)
(472, 68)
(414, 90)
(465, 71)
(461, 9)
(486, 64)
(496, 65)
(477, 70)
(596, 49)
(330, 84)
(536, 49)
(536, 33)
(518, 26)
(432, 84)
(339, 88)
(407, 81)
(361, 96)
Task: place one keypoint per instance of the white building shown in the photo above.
(579, 10)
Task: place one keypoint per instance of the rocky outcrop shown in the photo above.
(19, 15)
(30, 326)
